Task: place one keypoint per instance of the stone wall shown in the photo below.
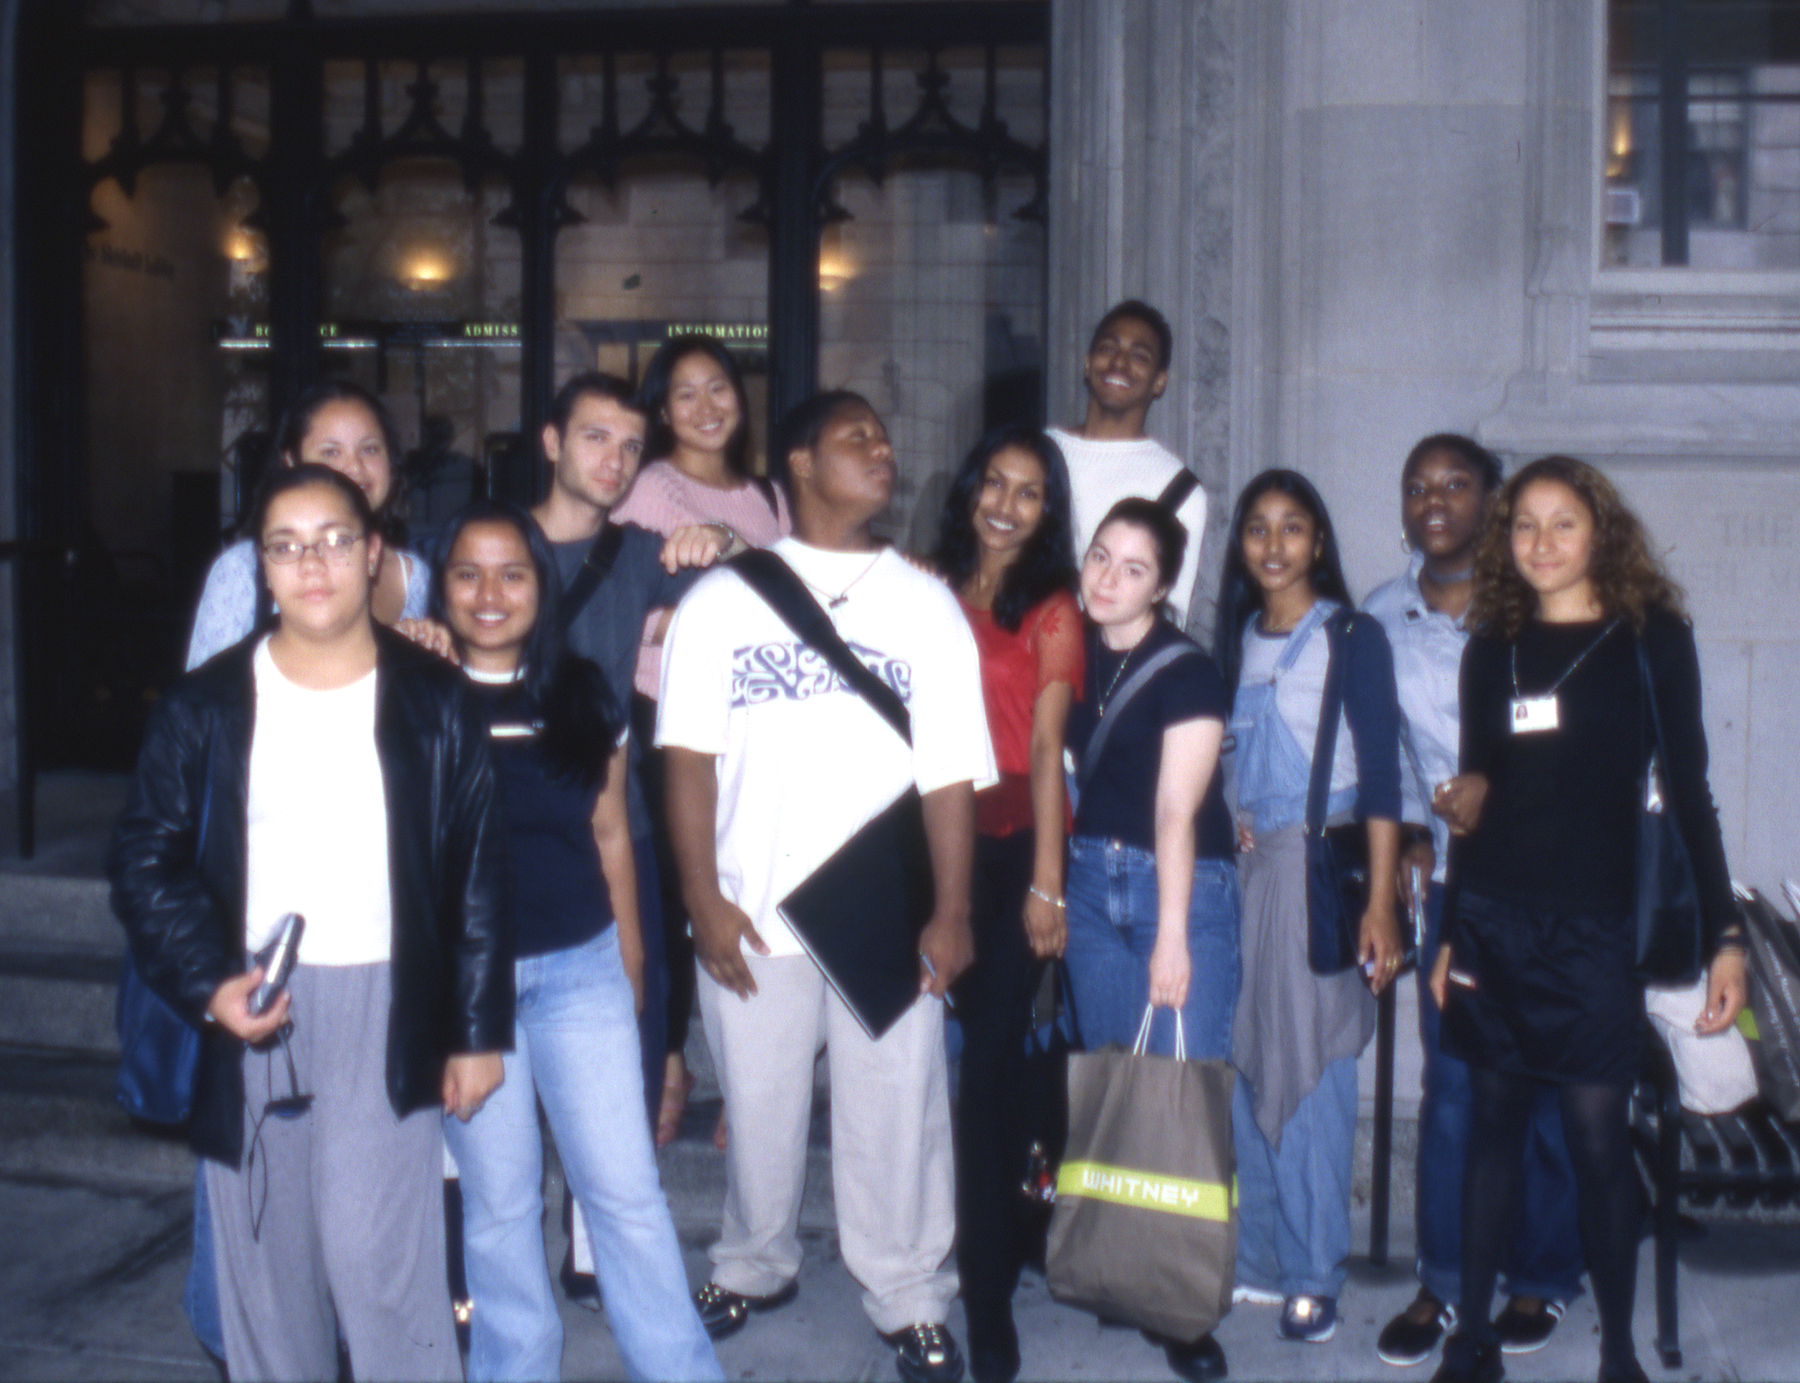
(1144, 113)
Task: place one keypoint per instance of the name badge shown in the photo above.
(1532, 715)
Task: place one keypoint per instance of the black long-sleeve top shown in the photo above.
(1559, 826)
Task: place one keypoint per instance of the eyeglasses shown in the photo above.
(334, 548)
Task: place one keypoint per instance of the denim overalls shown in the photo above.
(1294, 1196)
(1273, 768)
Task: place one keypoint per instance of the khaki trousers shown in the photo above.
(891, 1162)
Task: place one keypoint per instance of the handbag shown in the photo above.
(1667, 904)
(159, 1049)
(1043, 1105)
(159, 1053)
(859, 914)
(1044, 1081)
(1337, 857)
(1145, 1226)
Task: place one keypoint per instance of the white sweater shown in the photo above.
(1103, 473)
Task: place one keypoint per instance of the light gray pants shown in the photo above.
(335, 1221)
(891, 1167)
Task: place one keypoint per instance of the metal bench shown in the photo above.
(1738, 1161)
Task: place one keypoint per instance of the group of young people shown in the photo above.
(497, 917)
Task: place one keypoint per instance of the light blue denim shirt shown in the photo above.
(1428, 648)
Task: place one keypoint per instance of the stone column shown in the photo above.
(1141, 130)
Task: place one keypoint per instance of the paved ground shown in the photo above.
(95, 1223)
(91, 1269)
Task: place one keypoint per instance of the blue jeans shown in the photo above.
(575, 1048)
(1545, 1258)
(1111, 892)
(1294, 1203)
(200, 1296)
(653, 1022)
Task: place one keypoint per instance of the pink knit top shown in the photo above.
(664, 499)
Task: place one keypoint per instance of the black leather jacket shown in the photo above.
(452, 949)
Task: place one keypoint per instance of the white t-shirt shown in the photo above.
(803, 761)
(317, 817)
(1103, 473)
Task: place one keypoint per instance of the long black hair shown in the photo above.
(578, 713)
(1240, 596)
(297, 421)
(284, 480)
(653, 398)
(1046, 563)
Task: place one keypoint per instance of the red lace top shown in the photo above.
(1015, 667)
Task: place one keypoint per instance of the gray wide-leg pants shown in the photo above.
(335, 1220)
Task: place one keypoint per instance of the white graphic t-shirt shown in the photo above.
(803, 760)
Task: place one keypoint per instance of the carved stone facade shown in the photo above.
(1369, 220)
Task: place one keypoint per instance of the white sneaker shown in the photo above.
(1256, 1296)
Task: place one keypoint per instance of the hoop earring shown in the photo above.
(1405, 543)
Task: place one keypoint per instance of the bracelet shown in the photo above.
(1039, 893)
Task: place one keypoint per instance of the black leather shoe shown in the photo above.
(581, 1288)
(1199, 1362)
(1410, 1337)
(723, 1311)
(1525, 1326)
(926, 1353)
(1467, 1362)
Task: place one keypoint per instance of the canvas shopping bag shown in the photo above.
(1145, 1225)
(1713, 1073)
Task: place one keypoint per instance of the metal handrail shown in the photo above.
(15, 550)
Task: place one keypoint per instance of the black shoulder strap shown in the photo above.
(766, 488)
(1656, 731)
(786, 594)
(1176, 492)
(1122, 698)
(1331, 709)
(594, 568)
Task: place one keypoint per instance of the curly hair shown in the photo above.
(1629, 581)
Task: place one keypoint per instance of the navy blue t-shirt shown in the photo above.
(560, 898)
(1119, 801)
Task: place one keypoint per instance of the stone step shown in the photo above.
(75, 815)
(58, 910)
(59, 998)
(58, 1118)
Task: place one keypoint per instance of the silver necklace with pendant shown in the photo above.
(833, 601)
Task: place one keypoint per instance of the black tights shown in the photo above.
(1597, 1130)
